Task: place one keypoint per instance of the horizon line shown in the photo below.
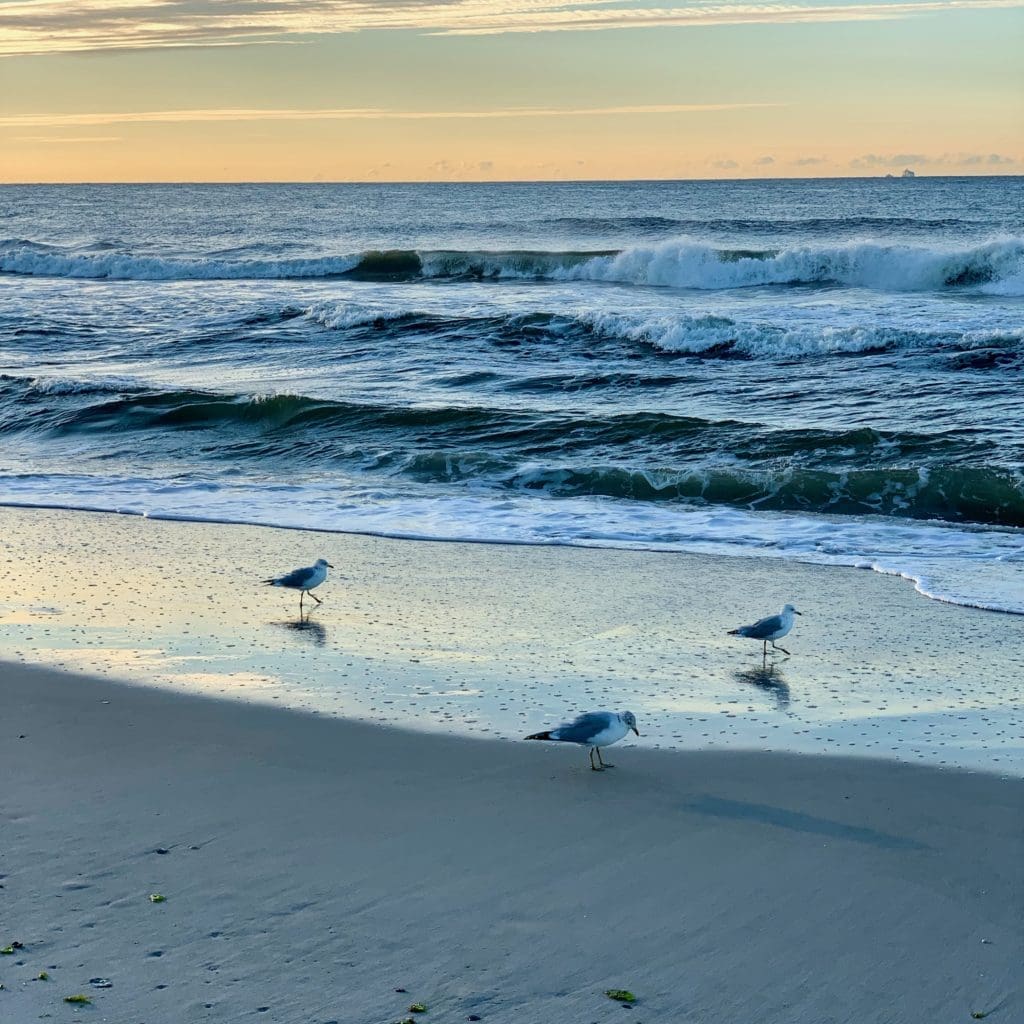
(509, 181)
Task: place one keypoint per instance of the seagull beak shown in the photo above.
(329, 566)
(635, 729)
(798, 613)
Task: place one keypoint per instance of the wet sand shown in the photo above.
(312, 867)
(501, 641)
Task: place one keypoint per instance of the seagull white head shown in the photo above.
(630, 719)
(790, 610)
(322, 563)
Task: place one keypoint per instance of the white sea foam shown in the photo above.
(1010, 286)
(694, 333)
(995, 267)
(699, 334)
(980, 567)
(29, 260)
(340, 316)
(101, 384)
(687, 263)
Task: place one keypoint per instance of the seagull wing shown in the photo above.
(298, 577)
(584, 728)
(763, 628)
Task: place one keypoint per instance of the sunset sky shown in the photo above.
(280, 90)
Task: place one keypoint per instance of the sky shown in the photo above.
(439, 90)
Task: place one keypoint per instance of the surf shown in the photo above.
(995, 266)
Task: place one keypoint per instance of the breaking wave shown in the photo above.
(709, 335)
(642, 456)
(712, 335)
(874, 265)
(996, 267)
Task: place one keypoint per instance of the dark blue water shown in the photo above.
(823, 370)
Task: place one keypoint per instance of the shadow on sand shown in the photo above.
(797, 821)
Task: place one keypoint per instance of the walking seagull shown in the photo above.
(768, 630)
(304, 579)
(594, 729)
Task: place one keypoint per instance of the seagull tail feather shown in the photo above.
(269, 583)
(735, 632)
(540, 736)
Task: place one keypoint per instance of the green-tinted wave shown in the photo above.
(641, 456)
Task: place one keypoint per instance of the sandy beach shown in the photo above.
(338, 808)
(312, 868)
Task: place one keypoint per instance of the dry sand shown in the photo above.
(313, 867)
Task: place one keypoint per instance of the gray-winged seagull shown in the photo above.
(768, 630)
(594, 729)
(304, 579)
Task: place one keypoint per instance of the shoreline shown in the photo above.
(918, 582)
(332, 871)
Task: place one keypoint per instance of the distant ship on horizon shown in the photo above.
(907, 173)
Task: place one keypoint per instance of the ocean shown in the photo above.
(828, 371)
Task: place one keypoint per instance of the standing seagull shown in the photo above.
(594, 729)
(304, 580)
(773, 628)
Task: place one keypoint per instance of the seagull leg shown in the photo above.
(777, 648)
(601, 760)
(315, 598)
(302, 597)
(764, 649)
(593, 767)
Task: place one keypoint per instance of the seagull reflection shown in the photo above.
(770, 679)
(308, 628)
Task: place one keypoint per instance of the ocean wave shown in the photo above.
(343, 316)
(22, 257)
(48, 261)
(995, 267)
(874, 265)
(708, 335)
(980, 494)
(713, 335)
(400, 320)
(649, 457)
(991, 495)
(1009, 286)
(59, 387)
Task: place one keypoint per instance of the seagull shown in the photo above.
(304, 579)
(773, 628)
(594, 729)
